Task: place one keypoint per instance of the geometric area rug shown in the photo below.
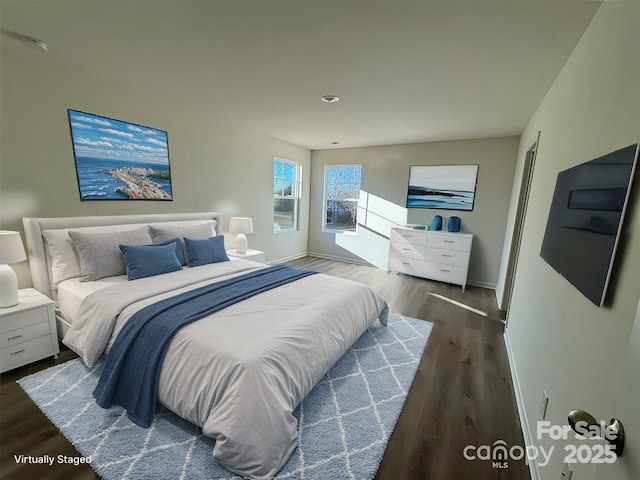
(344, 423)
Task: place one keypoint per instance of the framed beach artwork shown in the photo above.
(447, 187)
(117, 160)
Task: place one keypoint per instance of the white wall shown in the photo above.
(560, 341)
(385, 175)
(214, 164)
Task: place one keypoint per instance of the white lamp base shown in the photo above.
(8, 287)
(241, 243)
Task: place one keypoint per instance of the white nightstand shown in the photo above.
(27, 330)
(255, 255)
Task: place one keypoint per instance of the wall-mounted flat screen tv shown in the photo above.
(585, 220)
(118, 160)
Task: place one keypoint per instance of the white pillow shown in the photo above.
(61, 256)
(162, 232)
(179, 228)
(99, 253)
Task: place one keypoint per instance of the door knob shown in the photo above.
(584, 424)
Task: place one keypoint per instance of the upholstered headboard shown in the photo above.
(40, 265)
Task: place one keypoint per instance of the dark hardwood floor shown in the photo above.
(462, 393)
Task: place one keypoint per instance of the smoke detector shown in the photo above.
(31, 42)
(329, 98)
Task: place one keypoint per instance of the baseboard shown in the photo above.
(290, 258)
(526, 432)
(477, 283)
(343, 259)
(499, 298)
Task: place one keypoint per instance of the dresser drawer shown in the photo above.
(408, 266)
(413, 237)
(25, 352)
(15, 320)
(448, 257)
(446, 273)
(450, 242)
(407, 250)
(22, 334)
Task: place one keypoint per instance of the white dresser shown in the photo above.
(436, 255)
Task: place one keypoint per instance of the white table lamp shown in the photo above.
(240, 226)
(11, 251)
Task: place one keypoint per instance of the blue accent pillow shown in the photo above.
(202, 251)
(179, 249)
(148, 260)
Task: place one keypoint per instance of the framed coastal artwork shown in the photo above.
(117, 160)
(446, 187)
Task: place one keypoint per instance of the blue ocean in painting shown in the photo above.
(96, 184)
(419, 197)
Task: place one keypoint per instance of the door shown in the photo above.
(521, 210)
(627, 410)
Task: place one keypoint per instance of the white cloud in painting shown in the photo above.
(156, 142)
(111, 131)
(116, 140)
(92, 143)
(144, 148)
(112, 140)
(143, 131)
(97, 121)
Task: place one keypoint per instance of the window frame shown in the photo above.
(296, 193)
(326, 199)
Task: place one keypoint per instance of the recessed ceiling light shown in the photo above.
(329, 98)
(332, 142)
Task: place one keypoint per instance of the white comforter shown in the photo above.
(240, 373)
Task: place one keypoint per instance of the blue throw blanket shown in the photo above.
(132, 369)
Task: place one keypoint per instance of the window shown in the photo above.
(287, 180)
(341, 194)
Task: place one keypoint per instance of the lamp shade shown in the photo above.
(11, 248)
(241, 225)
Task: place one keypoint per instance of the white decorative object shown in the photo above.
(240, 226)
(442, 256)
(11, 251)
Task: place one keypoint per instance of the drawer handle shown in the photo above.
(14, 338)
(407, 249)
(407, 236)
(448, 241)
(446, 271)
(406, 263)
(16, 353)
(445, 255)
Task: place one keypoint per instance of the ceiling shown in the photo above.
(405, 72)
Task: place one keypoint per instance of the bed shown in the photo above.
(239, 372)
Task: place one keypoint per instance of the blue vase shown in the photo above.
(436, 224)
(453, 225)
